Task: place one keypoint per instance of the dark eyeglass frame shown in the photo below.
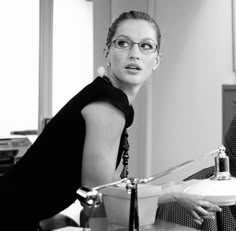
(132, 44)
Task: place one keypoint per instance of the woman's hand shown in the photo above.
(197, 206)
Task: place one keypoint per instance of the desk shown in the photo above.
(100, 224)
(159, 225)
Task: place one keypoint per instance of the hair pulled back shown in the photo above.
(133, 15)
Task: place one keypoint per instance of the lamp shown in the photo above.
(134, 190)
(219, 189)
(92, 197)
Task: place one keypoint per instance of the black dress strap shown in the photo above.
(125, 156)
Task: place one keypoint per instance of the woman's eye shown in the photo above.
(122, 43)
(147, 46)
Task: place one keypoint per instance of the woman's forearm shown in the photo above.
(169, 193)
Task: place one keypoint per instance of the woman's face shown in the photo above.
(132, 66)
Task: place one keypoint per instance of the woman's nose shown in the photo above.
(134, 52)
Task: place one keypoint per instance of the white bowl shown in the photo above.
(220, 192)
(117, 204)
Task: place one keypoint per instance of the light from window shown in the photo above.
(72, 49)
(19, 23)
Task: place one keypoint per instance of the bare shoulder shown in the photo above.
(103, 114)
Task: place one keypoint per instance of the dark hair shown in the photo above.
(133, 15)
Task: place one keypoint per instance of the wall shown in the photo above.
(197, 60)
(179, 111)
(105, 12)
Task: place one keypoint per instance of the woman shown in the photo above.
(83, 142)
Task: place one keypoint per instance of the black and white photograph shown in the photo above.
(118, 115)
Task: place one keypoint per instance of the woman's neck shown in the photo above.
(130, 90)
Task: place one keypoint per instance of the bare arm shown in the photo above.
(104, 126)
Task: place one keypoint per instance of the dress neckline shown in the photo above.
(107, 80)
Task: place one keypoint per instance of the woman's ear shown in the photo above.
(106, 53)
(157, 62)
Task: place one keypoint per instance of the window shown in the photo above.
(72, 49)
(19, 23)
(19, 45)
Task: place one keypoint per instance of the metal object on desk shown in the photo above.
(12, 148)
(133, 214)
(119, 212)
(222, 171)
(90, 197)
(119, 201)
(18, 143)
(221, 187)
(141, 196)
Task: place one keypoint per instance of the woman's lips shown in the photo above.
(133, 66)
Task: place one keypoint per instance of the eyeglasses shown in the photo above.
(145, 47)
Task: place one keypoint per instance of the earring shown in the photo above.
(101, 71)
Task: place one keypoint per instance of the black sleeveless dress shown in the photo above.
(45, 180)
